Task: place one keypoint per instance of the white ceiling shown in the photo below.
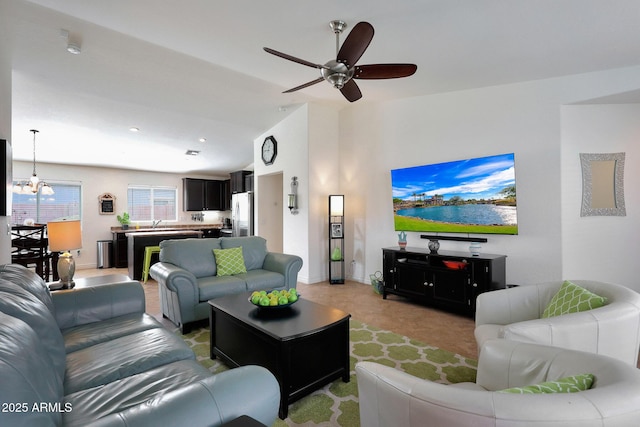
(184, 69)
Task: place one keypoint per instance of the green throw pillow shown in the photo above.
(229, 261)
(563, 385)
(571, 298)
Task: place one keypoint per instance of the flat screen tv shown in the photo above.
(465, 196)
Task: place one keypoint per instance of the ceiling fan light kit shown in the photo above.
(342, 71)
(337, 26)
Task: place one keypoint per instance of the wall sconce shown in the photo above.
(293, 196)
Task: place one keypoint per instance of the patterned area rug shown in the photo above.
(336, 404)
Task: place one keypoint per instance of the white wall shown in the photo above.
(600, 247)
(307, 149)
(96, 181)
(526, 118)
(521, 118)
(323, 179)
(291, 160)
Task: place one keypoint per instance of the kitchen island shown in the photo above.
(138, 240)
(121, 245)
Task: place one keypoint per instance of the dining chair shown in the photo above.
(30, 248)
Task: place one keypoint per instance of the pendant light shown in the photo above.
(34, 184)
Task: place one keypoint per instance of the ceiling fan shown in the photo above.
(342, 71)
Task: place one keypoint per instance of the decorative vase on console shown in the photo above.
(402, 240)
(433, 246)
(474, 248)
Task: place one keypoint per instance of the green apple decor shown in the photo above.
(275, 298)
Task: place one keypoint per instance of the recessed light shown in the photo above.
(73, 48)
(192, 152)
(73, 43)
(202, 139)
(134, 129)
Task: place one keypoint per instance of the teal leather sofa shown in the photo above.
(187, 274)
(92, 357)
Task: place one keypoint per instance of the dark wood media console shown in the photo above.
(418, 274)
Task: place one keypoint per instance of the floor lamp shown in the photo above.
(64, 236)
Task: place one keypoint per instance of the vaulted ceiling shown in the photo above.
(180, 70)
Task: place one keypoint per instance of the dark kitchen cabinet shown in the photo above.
(193, 194)
(248, 182)
(226, 195)
(418, 274)
(202, 194)
(120, 249)
(213, 190)
(241, 181)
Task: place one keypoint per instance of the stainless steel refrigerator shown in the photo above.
(242, 214)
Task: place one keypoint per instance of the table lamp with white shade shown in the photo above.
(64, 236)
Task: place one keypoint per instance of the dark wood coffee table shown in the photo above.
(305, 345)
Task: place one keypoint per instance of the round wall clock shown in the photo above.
(269, 150)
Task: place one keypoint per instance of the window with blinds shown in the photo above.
(147, 203)
(66, 202)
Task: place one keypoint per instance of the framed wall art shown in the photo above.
(107, 204)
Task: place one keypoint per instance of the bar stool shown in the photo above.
(148, 251)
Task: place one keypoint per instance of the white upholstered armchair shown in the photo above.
(392, 398)
(515, 314)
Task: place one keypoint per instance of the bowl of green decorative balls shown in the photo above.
(274, 299)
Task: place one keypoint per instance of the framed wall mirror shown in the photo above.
(602, 184)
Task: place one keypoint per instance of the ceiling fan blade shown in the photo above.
(351, 91)
(384, 71)
(311, 83)
(293, 58)
(355, 44)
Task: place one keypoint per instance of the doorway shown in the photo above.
(270, 210)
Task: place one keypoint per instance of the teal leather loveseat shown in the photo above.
(187, 274)
(92, 357)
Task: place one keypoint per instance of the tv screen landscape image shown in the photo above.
(466, 196)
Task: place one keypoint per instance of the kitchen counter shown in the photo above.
(141, 233)
(137, 241)
(174, 227)
(120, 239)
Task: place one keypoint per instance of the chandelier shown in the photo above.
(33, 185)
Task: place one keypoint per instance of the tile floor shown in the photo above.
(431, 326)
(439, 328)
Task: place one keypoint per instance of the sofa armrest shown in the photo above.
(611, 330)
(390, 397)
(210, 402)
(502, 364)
(176, 279)
(87, 305)
(285, 264)
(505, 306)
